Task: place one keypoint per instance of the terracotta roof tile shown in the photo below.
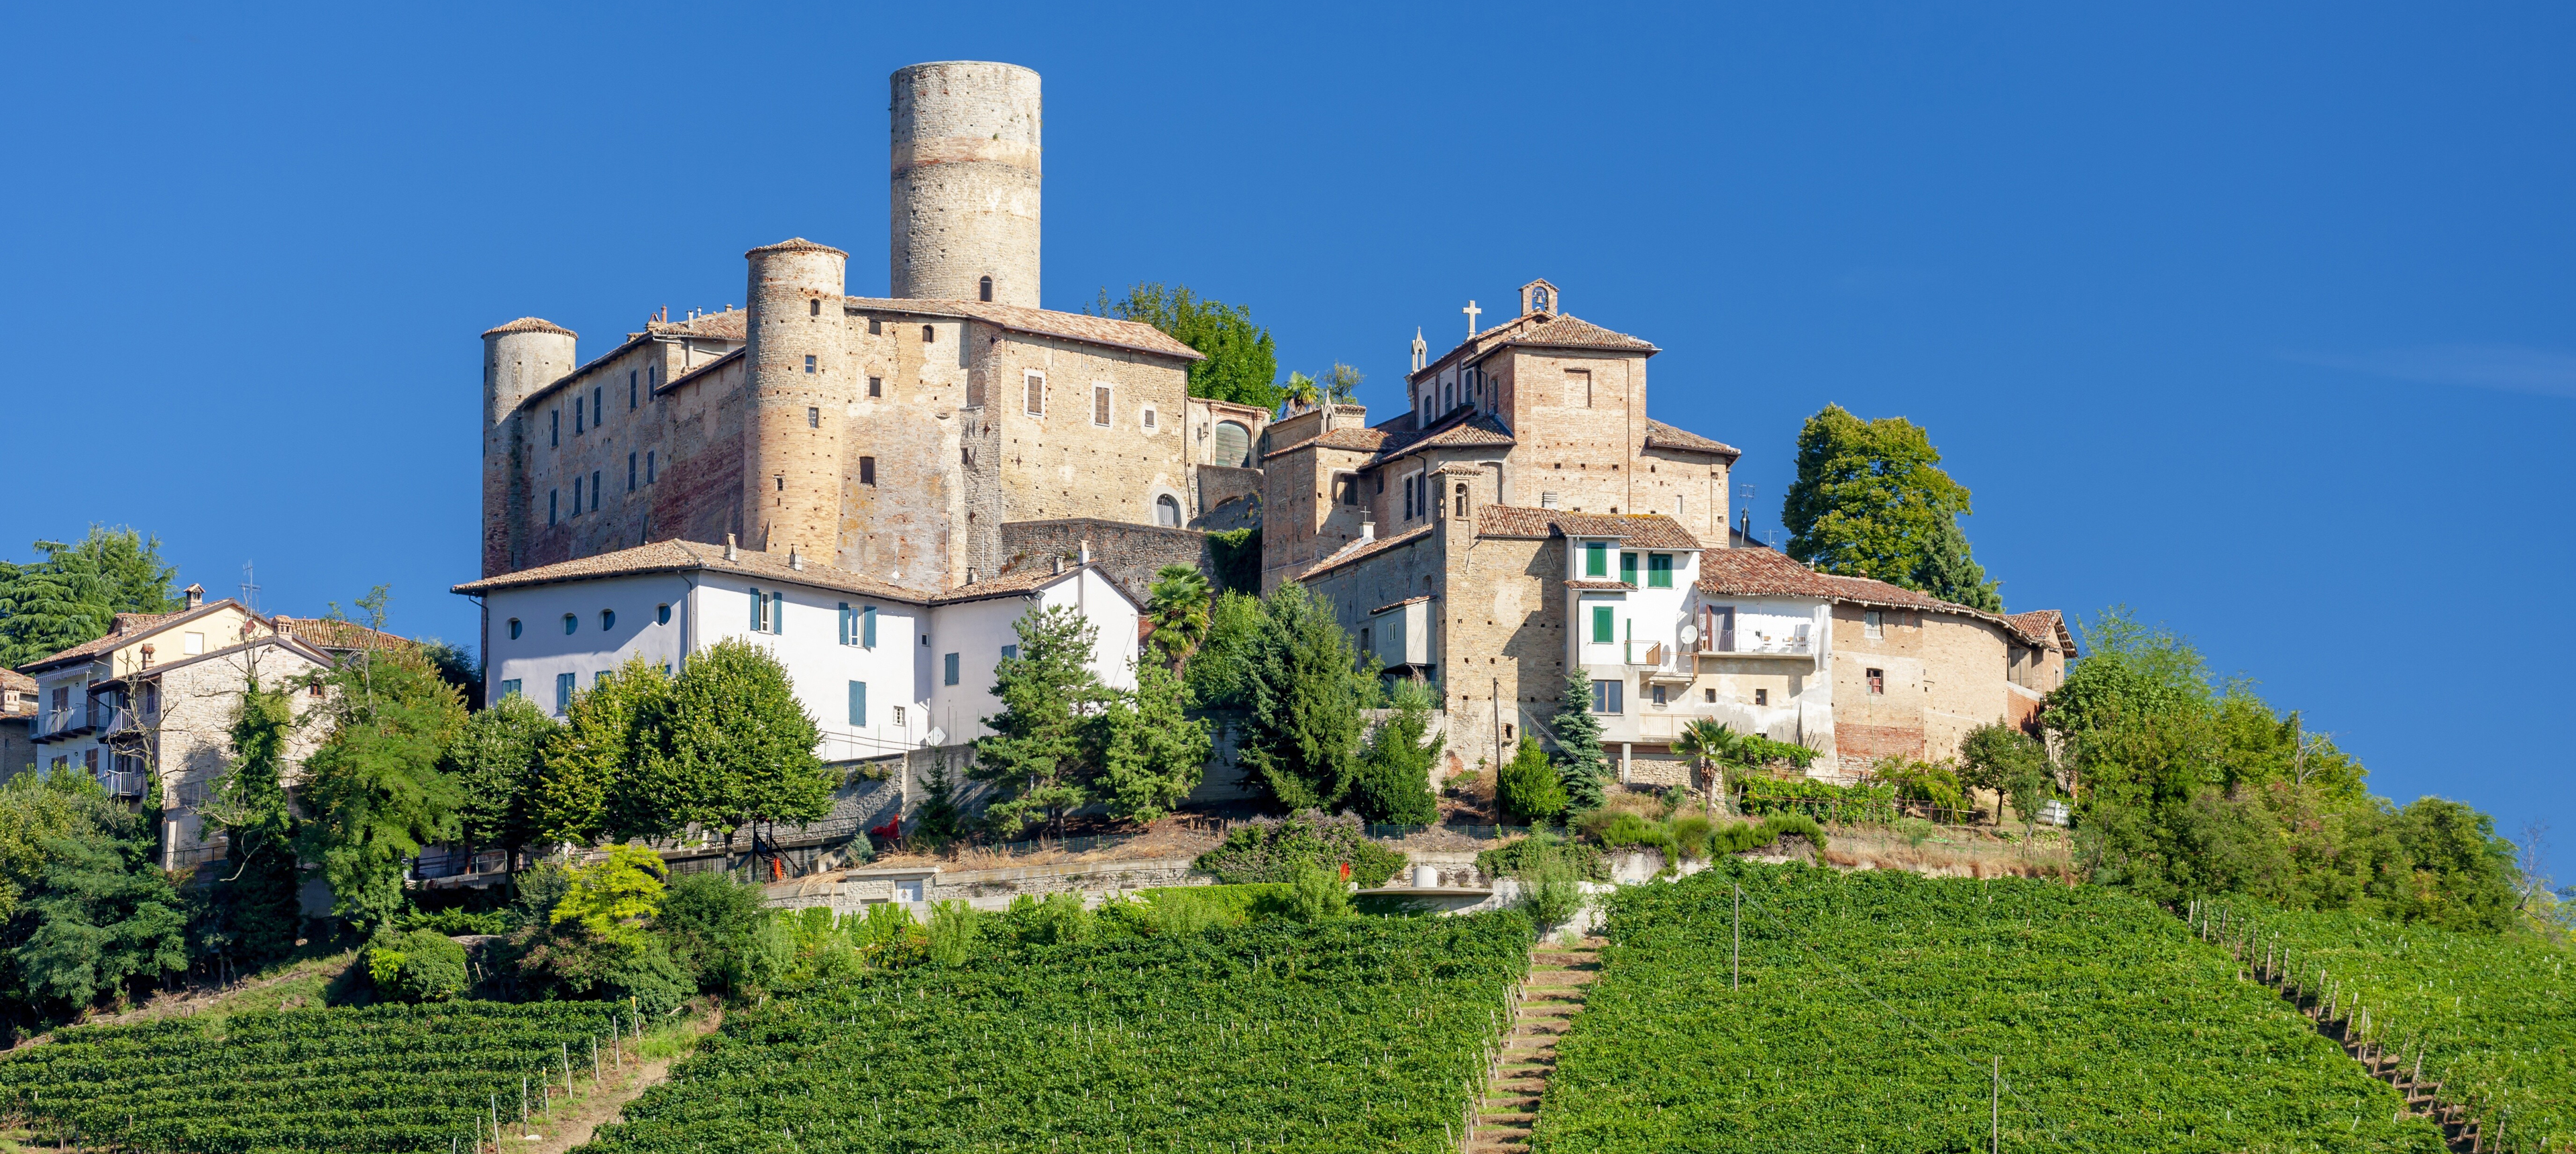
(1012, 584)
(1662, 436)
(1599, 583)
(1759, 572)
(1548, 330)
(1358, 550)
(528, 325)
(1646, 530)
(2045, 623)
(1465, 428)
(12, 679)
(1400, 604)
(1356, 440)
(324, 633)
(795, 244)
(730, 325)
(686, 556)
(1115, 333)
(128, 627)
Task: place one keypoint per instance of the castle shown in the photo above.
(1522, 522)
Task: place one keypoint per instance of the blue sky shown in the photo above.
(2259, 321)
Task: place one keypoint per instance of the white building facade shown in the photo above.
(882, 670)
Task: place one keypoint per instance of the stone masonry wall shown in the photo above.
(1128, 554)
(965, 200)
(1943, 675)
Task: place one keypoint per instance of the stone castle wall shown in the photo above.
(966, 182)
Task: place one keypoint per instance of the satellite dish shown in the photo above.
(1690, 634)
(936, 736)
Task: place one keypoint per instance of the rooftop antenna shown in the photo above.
(249, 589)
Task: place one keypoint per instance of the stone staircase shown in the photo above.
(1550, 998)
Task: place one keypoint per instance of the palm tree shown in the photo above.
(1177, 605)
(1713, 745)
(1302, 393)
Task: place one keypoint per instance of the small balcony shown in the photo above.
(125, 783)
(1645, 652)
(1756, 645)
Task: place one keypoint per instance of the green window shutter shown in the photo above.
(1628, 568)
(859, 703)
(1659, 570)
(1596, 560)
(868, 626)
(1601, 634)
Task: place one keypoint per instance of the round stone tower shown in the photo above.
(798, 364)
(966, 182)
(519, 358)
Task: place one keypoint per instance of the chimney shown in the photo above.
(1368, 530)
(730, 555)
(1086, 551)
(795, 560)
(147, 655)
(1059, 562)
(1747, 530)
(970, 574)
(196, 595)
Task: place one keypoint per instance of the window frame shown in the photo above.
(1628, 567)
(868, 471)
(1873, 624)
(1596, 559)
(948, 669)
(1033, 392)
(1605, 625)
(1659, 570)
(1104, 405)
(1876, 680)
(1609, 693)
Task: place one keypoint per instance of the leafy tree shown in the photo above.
(739, 746)
(417, 966)
(1304, 728)
(1220, 675)
(254, 911)
(604, 772)
(36, 808)
(1996, 757)
(1580, 765)
(373, 790)
(713, 925)
(615, 897)
(1528, 787)
(1235, 557)
(495, 763)
(1272, 850)
(458, 665)
(1242, 361)
(105, 917)
(1871, 500)
(1155, 752)
(1717, 746)
(1044, 754)
(1393, 784)
(75, 593)
(1340, 383)
(1177, 607)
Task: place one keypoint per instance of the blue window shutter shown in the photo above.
(563, 692)
(952, 669)
(778, 613)
(759, 606)
(845, 626)
(868, 626)
(859, 703)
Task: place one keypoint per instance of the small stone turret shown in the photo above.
(966, 182)
(519, 358)
(799, 386)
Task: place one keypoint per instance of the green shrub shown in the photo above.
(955, 928)
(1507, 860)
(1056, 919)
(1317, 895)
(1527, 786)
(1871, 802)
(1551, 889)
(1271, 850)
(417, 966)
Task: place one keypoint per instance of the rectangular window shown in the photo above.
(630, 472)
(1602, 631)
(867, 470)
(876, 386)
(595, 487)
(1364, 641)
(1408, 498)
(630, 389)
(1709, 696)
(868, 626)
(1659, 694)
(1596, 560)
(576, 496)
(1872, 625)
(809, 363)
(859, 703)
(1606, 696)
(1878, 681)
(1010, 651)
(563, 692)
(550, 506)
(599, 679)
(1036, 386)
(759, 611)
(1761, 697)
(898, 716)
(951, 663)
(577, 423)
(1659, 570)
(554, 428)
(1628, 568)
(813, 417)
(648, 466)
(1100, 405)
(599, 404)
(510, 688)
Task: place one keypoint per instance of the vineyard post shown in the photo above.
(1995, 1109)
(1735, 957)
(564, 1049)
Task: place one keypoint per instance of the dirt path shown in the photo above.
(1549, 999)
(573, 1126)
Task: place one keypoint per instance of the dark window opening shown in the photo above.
(875, 327)
(1878, 681)
(607, 620)
(577, 424)
(514, 629)
(867, 470)
(595, 487)
(813, 417)
(648, 467)
(630, 472)
(1761, 697)
(814, 307)
(876, 386)
(781, 481)
(630, 388)
(809, 364)
(984, 289)
(598, 403)
(1462, 500)
(929, 334)
(554, 428)
(662, 614)
(1709, 696)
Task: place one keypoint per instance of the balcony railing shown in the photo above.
(1732, 644)
(128, 783)
(1645, 652)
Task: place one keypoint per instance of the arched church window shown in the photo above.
(1462, 499)
(1233, 445)
(1167, 512)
